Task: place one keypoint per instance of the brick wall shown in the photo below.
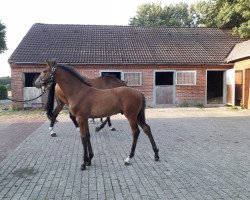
(17, 81)
(195, 94)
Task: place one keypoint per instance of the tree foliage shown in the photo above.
(156, 15)
(3, 92)
(3, 46)
(230, 14)
(5, 80)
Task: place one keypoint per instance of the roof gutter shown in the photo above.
(179, 64)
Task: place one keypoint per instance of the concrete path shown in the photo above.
(204, 154)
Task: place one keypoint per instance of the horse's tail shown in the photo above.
(50, 101)
(141, 115)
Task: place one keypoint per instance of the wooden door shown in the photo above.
(30, 93)
(164, 88)
(238, 87)
(164, 94)
(230, 77)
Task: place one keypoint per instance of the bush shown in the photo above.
(3, 92)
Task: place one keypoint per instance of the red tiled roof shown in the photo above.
(103, 44)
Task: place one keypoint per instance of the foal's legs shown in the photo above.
(73, 118)
(135, 132)
(91, 154)
(146, 128)
(85, 136)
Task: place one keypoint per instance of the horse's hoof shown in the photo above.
(113, 129)
(88, 163)
(126, 163)
(83, 167)
(157, 158)
(97, 129)
(53, 135)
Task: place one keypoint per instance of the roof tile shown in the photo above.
(103, 44)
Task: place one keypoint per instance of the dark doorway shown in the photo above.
(30, 79)
(164, 78)
(164, 88)
(215, 85)
(112, 74)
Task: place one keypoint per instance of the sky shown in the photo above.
(20, 15)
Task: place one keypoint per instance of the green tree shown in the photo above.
(156, 15)
(5, 80)
(3, 46)
(3, 92)
(232, 14)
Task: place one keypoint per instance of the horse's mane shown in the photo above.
(51, 95)
(73, 72)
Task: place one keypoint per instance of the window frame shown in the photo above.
(185, 71)
(133, 85)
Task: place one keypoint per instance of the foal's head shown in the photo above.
(47, 75)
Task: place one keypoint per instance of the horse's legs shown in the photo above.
(92, 120)
(135, 132)
(146, 128)
(73, 118)
(98, 128)
(57, 110)
(83, 123)
(110, 125)
(91, 154)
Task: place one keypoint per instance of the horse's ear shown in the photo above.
(51, 63)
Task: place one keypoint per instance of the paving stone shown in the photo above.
(203, 155)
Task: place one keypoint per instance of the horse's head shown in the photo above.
(47, 75)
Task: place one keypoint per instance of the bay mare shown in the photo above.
(89, 102)
(102, 82)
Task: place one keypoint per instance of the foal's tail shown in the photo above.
(141, 116)
(50, 101)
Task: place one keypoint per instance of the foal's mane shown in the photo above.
(74, 73)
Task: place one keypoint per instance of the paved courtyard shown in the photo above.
(204, 154)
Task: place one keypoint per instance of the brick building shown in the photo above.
(240, 56)
(171, 66)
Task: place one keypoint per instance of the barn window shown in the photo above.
(164, 78)
(115, 74)
(186, 78)
(29, 79)
(133, 78)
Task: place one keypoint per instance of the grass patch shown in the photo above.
(6, 112)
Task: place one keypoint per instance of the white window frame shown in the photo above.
(140, 75)
(191, 71)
